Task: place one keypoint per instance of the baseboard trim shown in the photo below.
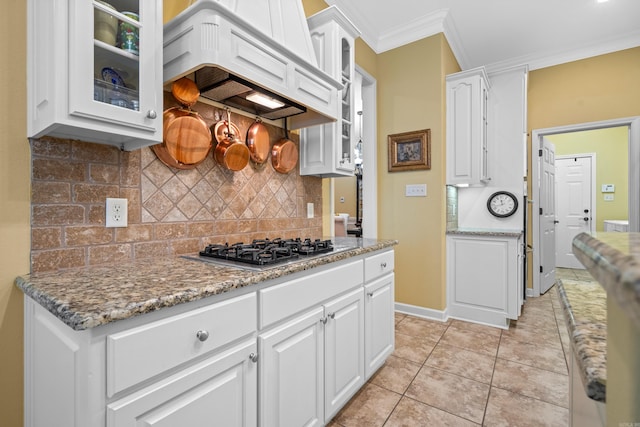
(427, 313)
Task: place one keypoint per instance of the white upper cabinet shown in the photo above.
(327, 150)
(95, 71)
(467, 142)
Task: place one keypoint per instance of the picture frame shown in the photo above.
(409, 150)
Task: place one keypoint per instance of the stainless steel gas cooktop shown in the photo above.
(261, 254)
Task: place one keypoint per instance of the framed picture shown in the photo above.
(410, 150)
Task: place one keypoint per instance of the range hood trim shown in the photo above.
(208, 34)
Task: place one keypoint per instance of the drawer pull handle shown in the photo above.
(383, 265)
(202, 335)
(253, 357)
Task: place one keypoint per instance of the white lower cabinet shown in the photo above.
(379, 310)
(183, 366)
(379, 323)
(484, 278)
(291, 353)
(311, 365)
(220, 390)
(291, 372)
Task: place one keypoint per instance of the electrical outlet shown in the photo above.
(116, 212)
(309, 210)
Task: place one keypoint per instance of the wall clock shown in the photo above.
(502, 204)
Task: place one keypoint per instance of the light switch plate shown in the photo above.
(608, 197)
(416, 190)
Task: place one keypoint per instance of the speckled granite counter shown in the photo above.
(613, 259)
(489, 232)
(91, 297)
(585, 310)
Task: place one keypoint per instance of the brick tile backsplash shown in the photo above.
(170, 212)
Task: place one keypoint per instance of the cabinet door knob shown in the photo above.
(202, 335)
(383, 265)
(152, 114)
(324, 320)
(253, 357)
(369, 294)
(332, 315)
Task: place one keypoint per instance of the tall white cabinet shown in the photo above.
(328, 150)
(95, 71)
(467, 125)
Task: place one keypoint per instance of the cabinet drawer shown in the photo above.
(140, 353)
(378, 265)
(282, 301)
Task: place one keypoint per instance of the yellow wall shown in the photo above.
(411, 97)
(612, 166)
(345, 188)
(600, 88)
(15, 203)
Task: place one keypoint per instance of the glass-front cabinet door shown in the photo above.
(115, 66)
(345, 162)
(328, 150)
(94, 71)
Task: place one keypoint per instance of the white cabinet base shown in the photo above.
(484, 279)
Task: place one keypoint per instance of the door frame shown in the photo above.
(592, 204)
(633, 123)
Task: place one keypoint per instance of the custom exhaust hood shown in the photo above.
(254, 55)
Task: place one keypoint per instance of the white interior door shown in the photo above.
(547, 216)
(574, 207)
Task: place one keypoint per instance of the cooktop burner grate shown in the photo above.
(267, 251)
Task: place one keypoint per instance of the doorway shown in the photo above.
(632, 125)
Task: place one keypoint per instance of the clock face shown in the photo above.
(502, 204)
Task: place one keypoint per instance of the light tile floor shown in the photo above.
(464, 374)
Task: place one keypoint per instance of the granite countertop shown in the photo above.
(87, 298)
(613, 259)
(488, 232)
(585, 310)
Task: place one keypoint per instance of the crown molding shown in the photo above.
(441, 21)
(417, 29)
(550, 59)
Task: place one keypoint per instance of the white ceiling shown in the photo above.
(501, 33)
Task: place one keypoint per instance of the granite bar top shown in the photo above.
(613, 259)
(585, 310)
(489, 232)
(87, 298)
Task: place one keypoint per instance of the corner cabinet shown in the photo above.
(467, 142)
(328, 150)
(484, 278)
(95, 71)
